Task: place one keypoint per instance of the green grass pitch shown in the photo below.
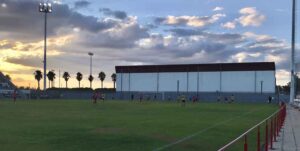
(78, 125)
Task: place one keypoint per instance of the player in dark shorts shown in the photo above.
(183, 100)
(14, 95)
(141, 98)
(269, 99)
(95, 97)
(194, 99)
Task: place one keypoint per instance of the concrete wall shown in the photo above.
(226, 81)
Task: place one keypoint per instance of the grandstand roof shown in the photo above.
(3, 79)
(249, 66)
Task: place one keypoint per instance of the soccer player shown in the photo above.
(194, 99)
(231, 98)
(219, 99)
(183, 100)
(132, 97)
(269, 99)
(15, 96)
(103, 97)
(95, 97)
(141, 97)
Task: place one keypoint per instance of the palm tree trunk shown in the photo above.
(79, 83)
(90, 84)
(114, 84)
(102, 84)
(66, 84)
(38, 85)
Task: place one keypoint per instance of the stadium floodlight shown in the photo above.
(91, 61)
(45, 8)
(292, 86)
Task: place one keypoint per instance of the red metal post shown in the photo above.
(258, 138)
(271, 134)
(245, 144)
(266, 141)
(278, 124)
(274, 129)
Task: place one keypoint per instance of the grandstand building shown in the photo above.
(256, 77)
(6, 86)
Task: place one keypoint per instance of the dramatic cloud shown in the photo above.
(251, 17)
(22, 21)
(116, 14)
(218, 8)
(122, 36)
(81, 4)
(229, 25)
(26, 61)
(193, 21)
(190, 46)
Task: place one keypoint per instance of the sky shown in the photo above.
(141, 32)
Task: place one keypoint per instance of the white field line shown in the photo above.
(199, 132)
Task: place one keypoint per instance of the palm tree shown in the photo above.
(38, 76)
(51, 77)
(101, 76)
(79, 78)
(66, 76)
(91, 78)
(114, 79)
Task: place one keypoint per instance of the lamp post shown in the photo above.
(91, 61)
(45, 8)
(91, 64)
(292, 87)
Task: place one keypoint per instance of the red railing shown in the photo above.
(272, 124)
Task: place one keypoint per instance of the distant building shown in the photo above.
(6, 86)
(253, 77)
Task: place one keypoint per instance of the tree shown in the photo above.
(66, 76)
(101, 76)
(79, 78)
(114, 79)
(91, 78)
(51, 77)
(8, 77)
(38, 76)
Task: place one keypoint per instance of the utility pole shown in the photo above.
(292, 86)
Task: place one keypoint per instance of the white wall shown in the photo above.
(209, 81)
(124, 83)
(237, 81)
(118, 82)
(192, 81)
(168, 81)
(229, 81)
(268, 78)
(143, 81)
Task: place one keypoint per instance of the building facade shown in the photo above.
(256, 77)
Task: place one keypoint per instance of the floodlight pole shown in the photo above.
(45, 8)
(292, 85)
(45, 52)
